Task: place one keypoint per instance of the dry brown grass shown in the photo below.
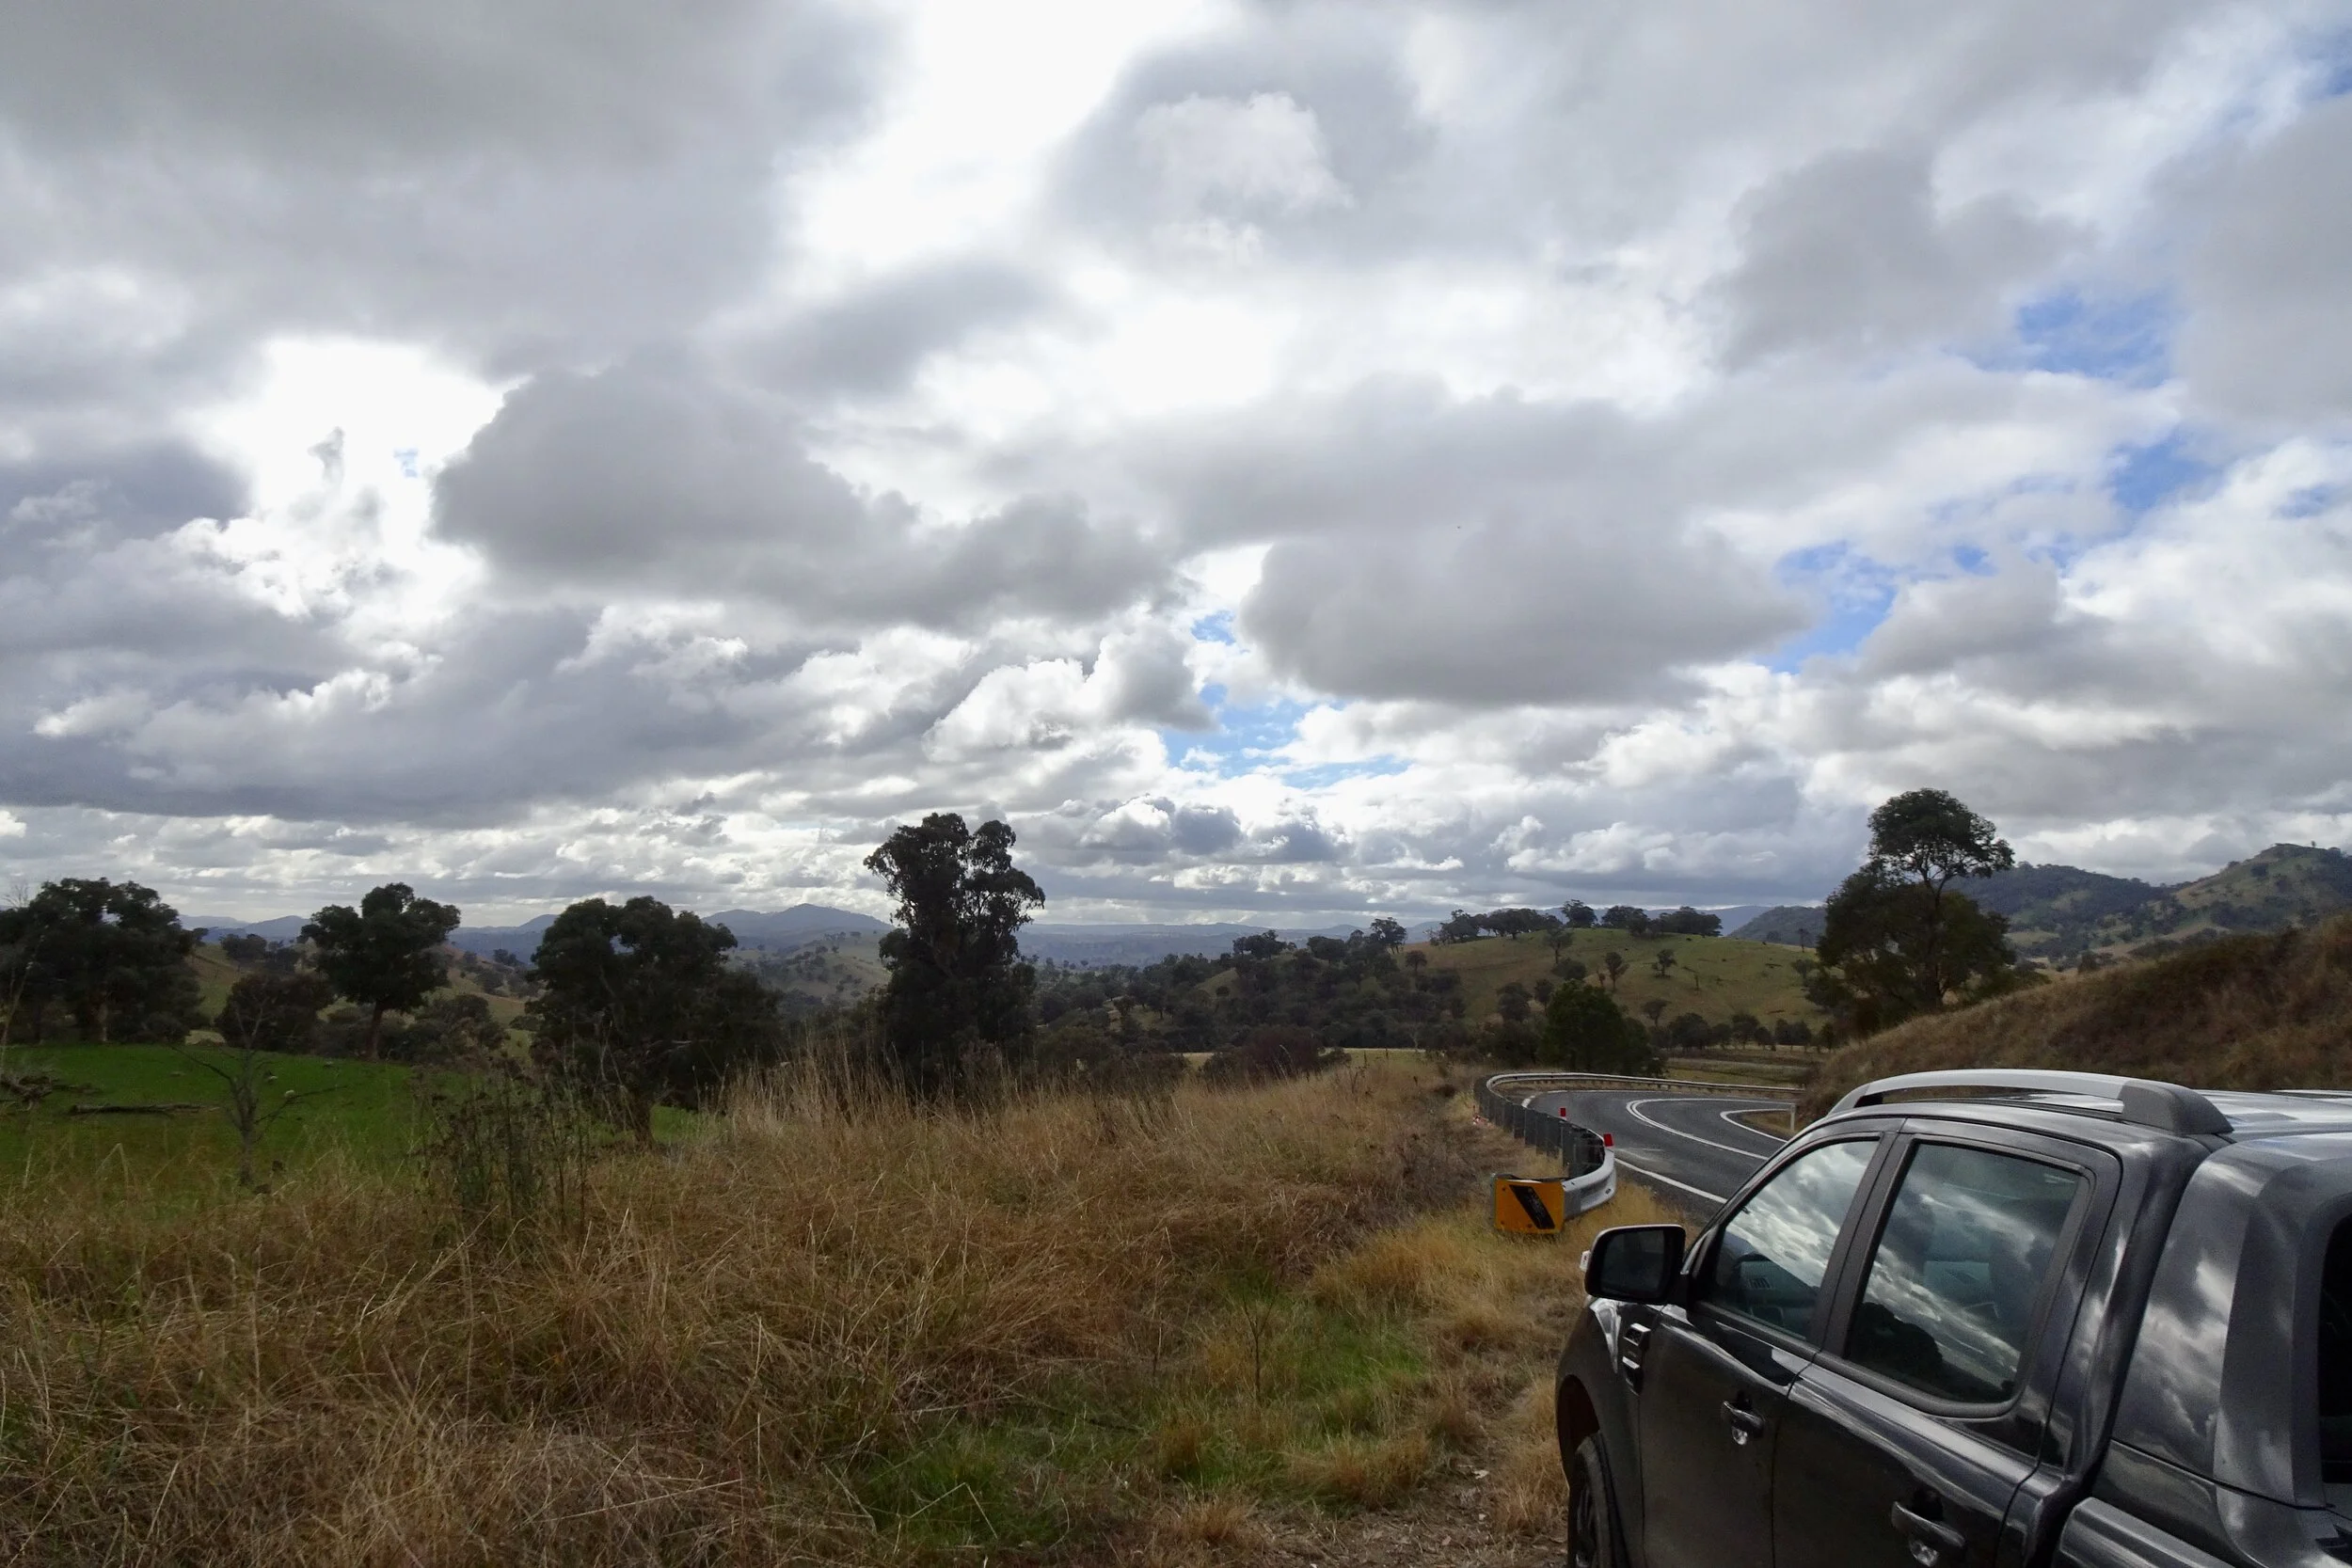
(1068, 1329)
(2252, 1012)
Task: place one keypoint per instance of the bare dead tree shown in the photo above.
(244, 1095)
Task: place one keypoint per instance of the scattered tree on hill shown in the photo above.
(385, 955)
(1579, 915)
(1895, 942)
(1654, 1009)
(273, 1012)
(1688, 922)
(112, 954)
(244, 948)
(1930, 837)
(1461, 925)
(1515, 923)
(1663, 962)
(1261, 944)
(1513, 1004)
(1585, 1031)
(1691, 1032)
(1613, 965)
(958, 991)
(1387, 933)
(459, 1027)
(638, 1004)
(1633, 922)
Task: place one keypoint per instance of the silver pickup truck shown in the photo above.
(1984, 1318)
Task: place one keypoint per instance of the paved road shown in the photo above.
(1690, 1145)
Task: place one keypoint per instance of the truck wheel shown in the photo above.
(1595, 1538)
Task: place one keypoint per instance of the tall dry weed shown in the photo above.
(715, 1364)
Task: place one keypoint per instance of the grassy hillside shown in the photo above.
(1191, 1330)
(831, 971)
(1712, 977)
(2059, 911)
(1785, 924)
(2254, 1011)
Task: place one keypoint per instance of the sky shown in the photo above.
(1291, 461)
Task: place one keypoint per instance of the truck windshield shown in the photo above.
(2335, 1370)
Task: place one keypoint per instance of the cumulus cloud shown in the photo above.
(2266, 333)
(1848, 252)
(1291, 459)
(647, 478)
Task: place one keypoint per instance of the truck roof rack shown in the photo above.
(2140, 1101)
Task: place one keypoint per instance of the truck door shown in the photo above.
(1715, 1374)
(1905, 1441)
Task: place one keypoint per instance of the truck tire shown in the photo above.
(1595, 1538)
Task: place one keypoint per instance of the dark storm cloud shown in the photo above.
(652, 478)
(1559, 610)
(1849, 253)
(511, 183)
(69, 499)
(873, 340)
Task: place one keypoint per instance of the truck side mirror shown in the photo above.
(1634, 1263)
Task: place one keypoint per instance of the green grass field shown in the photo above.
(368, 1114)
(367, 1111)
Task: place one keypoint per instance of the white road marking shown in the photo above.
(1624, 1163)
(1731, 1118)
(1633, 1109)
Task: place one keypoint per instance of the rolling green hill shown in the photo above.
(1785, 925)
(831, 971)
(1712, 977)
(2057, 910)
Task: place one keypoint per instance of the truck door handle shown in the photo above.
(1932, 1540)
(1745, 1423)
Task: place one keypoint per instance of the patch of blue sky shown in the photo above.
(1246, 736)
(1324, 774)
(1218, 627)
(1856, 591)
(2142, 478)
(2070, 333)
(2333, 58)
(1251, 736)
(2313, 500)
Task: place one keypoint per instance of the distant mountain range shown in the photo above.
(2059, 911)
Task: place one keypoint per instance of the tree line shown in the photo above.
(1577, 915)
(639, 1004)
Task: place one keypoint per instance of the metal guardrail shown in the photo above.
(1569, 1082)
(1591, 1166)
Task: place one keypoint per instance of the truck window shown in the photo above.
(2335, 1370)
(1774, 1251)
(1947, 1302)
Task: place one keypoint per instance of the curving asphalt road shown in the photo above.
(1691, 1146)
